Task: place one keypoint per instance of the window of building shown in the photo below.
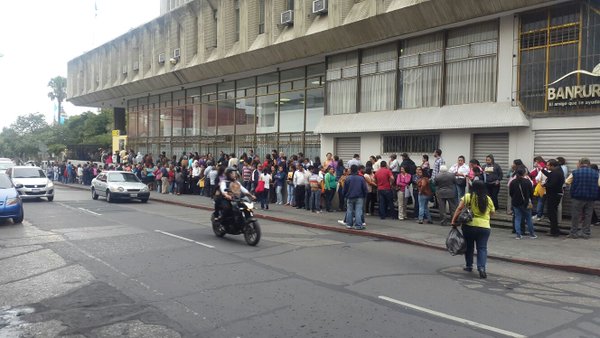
(245, 106)
(420, 75)
(289, 5)
(410, 143)
(261, 16)
(471, 63)
(378, 78)
(236, 9)
(342, 71)
(266, 114)
(154, 117)
(554, 42)
(208, 114)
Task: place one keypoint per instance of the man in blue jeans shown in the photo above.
(384, 179)
(355, 191)
(584, 191)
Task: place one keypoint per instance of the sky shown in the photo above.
(39, 37)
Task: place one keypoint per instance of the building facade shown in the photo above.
(513, 78)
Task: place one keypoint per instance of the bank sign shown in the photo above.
(582, 96)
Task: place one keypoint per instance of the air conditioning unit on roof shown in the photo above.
(177, 53)
(287, 17)
(161, 58)
(319, 7)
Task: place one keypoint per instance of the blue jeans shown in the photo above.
(307, 194)
(386, 202)
(263, 197)
(476, 237)
(424, 207)
(460, 190)
(315, 200)
(540, 206)
(290, 194)
(354, 208)
(520, 213)
(279, 194)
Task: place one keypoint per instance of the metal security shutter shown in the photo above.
(497, 145)
(572, 144)
(346, 147)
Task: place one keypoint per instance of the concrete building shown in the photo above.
(514, 78)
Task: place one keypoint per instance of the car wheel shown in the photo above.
(50, 198)
(19, 220)
(94, 194)
(109, 197)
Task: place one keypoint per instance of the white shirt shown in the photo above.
(462, 170)
(266, 177)
(299, 178)
(223, 187)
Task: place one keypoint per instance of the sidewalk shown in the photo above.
(577, 255)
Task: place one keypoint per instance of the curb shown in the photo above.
(398, 239)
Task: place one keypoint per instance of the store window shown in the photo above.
(557, 46)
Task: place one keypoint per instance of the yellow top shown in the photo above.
(479, 219)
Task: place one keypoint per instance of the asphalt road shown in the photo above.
(84, 268)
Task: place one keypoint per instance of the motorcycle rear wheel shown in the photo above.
(252, 233)
(218, 228)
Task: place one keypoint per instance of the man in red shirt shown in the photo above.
(384, 179)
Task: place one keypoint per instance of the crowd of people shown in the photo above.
(377, 185)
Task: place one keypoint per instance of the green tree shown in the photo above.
(59, 92)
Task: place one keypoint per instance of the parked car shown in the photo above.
(31, 182)
(11, 205)
(5, 164)
(115, 185)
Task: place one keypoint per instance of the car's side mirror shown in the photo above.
(18, 186)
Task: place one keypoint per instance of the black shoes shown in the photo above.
(468, 269)
(482, 274)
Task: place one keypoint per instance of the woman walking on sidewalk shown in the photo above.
(477, 231)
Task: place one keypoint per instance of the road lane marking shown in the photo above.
(453, 318)
(91, 212)
(185, 239)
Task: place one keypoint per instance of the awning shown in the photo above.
(467, 116)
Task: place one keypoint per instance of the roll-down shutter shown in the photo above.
(572, 144)
(497, 145)
(346, 147)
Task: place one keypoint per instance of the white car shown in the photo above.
(31, 182)
(4, 165)
(115, 185)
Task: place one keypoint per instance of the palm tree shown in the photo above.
(58, 93)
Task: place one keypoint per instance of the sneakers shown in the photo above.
(518, 237)
(360, 228)
(420, 222)
(341, 222)
(573, 236)
(348, 226)
(537, 218)
(533, 236)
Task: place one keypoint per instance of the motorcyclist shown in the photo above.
(229, 189)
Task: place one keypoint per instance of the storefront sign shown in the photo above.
(575, 96)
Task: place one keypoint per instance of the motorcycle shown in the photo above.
(241, 221)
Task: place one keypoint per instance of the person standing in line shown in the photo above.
(329, 186)
(425, 165)
(424, 196)
(279, 182)
(341, 197)
(394, 166)
(461, 171)
(554, 192)
(584, 191)
(298, 181)
(446, 193)
(492, 175)
(354, 161)
(314, 183)
(384, 180)
(437, 163)
(266, 177)
(476, 232)
(291, 194)
(538, 177)
(520, 190)
(371, 191)
(402, 183)
(355, 191)
(307, 190)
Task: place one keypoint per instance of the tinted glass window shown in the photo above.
(122, 177)
(28, 173)
(5, 182)
(5, 165)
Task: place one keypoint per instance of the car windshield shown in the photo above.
(5, 182)
(5, 165)
(28, 173)
(122, 177)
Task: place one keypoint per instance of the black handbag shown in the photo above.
(466, 214)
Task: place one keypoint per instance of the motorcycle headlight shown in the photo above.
(12, 201)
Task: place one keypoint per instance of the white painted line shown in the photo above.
(453, 318)
(185, 239)
(91, 212)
